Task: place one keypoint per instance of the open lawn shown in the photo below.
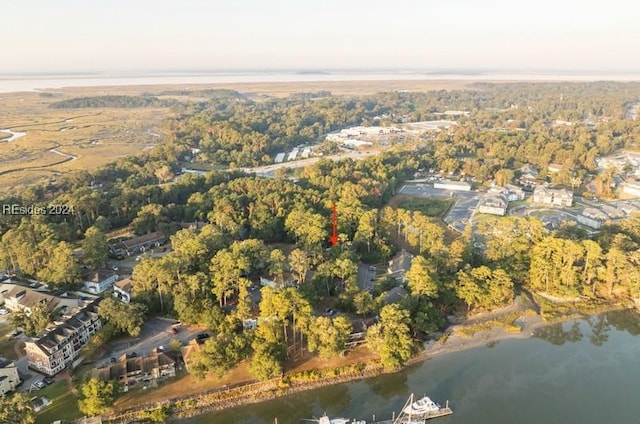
(64, 404)
(7, 345)
(434, 207)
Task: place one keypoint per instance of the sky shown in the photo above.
(40, 36)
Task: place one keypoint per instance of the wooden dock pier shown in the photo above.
(404, 418)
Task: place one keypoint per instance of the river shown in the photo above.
(584, 371)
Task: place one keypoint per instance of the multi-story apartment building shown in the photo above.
(60, 346)
(554, 197)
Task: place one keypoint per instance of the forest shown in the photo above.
(280, 226)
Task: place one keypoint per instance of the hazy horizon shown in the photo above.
(460, 35)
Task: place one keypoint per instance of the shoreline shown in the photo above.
(192, 406)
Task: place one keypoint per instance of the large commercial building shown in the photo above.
(60, 346)
(452, 185)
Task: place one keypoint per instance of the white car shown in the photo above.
(3, 312)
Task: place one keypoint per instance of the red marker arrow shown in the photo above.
(334, 221)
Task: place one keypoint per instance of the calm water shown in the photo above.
(14, 83)
(585, 372)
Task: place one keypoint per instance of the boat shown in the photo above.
(421, 407)
(326, 420)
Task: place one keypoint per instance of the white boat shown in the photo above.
(327, 420)
(421, 407)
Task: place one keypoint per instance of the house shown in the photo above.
(122, 290)
(98, 281)
(399, 265)
(20, 298)
(139, 244)
(9, 378)
(270, 281)
(514, 193)
(552, 197)
(395, 295)
(495, 204)
(60, 346)
(528, 176)
(554, 167)
(452, 185)
(140, 370)
(190, 349)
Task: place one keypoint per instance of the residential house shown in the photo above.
(528, 176)
(98, 281)
(122, 290)
(270, 281)
(190, 349)
(514, 193)
(399, 265)
(139, 244)
(554, 167)
(9, 378)
(140, 370)
(552, 197)
(20, 298)
(60, 346)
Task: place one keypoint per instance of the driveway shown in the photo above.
(155, 333)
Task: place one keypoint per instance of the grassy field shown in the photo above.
(64, 404)
(7, 346)
(430, 206)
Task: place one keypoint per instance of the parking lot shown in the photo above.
(460, 213)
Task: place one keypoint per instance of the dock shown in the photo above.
(404, 418)
(417, 419)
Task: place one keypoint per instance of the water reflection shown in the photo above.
(557, 335)
(335, 401)
(389, 385)
(599, 325)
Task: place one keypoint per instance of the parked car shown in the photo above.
(112, 360)
(48, 380)
(3, 312)
(40, 384)
(115, 268)
(133, 355)
(330, 311)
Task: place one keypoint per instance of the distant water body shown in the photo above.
(585, 371)
(34, 82)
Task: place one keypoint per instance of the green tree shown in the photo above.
(126, 317)
(329, 337)
(94, 248)
(300, 264)
(484, 287)
(16, 409)
(61, 268)
(421, 278)
(391, 337)
(97, 396)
